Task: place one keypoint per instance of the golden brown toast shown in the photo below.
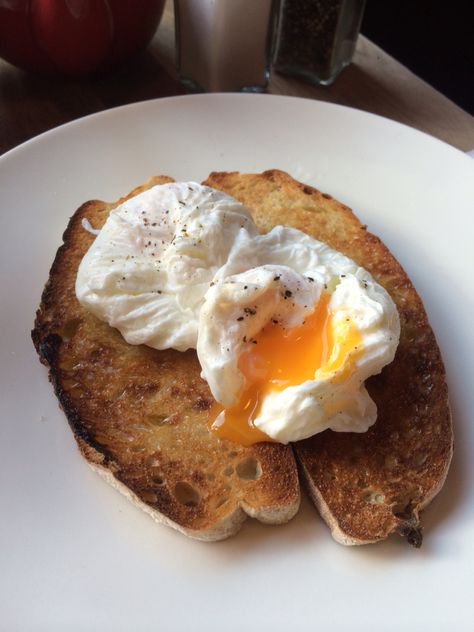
(367, 485)
(140, 416)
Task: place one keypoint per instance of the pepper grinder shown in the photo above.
(316, 39)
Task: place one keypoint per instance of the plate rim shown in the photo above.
(215, 96)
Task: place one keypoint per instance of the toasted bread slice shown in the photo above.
(140, 416)
(367, 485)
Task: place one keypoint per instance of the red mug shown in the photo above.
(75, 37)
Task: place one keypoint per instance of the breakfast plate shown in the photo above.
(76, 555)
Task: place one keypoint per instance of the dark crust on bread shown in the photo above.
(141, 415)
(367, 485)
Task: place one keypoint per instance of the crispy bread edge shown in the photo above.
(409, 527)
(99, 459)
(228, 527)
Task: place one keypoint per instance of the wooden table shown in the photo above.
(375, 82)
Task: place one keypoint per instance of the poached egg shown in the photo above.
(286, 328)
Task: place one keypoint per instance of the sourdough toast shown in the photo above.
(140, 416)
(366, 486)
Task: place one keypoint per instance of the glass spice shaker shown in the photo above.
(316, 38)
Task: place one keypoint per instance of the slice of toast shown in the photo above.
(140, 416)
(367, 485)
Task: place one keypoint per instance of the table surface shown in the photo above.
(374, 82)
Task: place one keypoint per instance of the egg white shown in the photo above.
(153, 260)
(178, 265)
(297, 412)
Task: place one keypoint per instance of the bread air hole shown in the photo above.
(372, 496)
(402, 504)
(186, 494)
(391, 461)
(249, 469)
(221, 501)
(70, 329)
(158, 420)
(152, 461)
(149, 497)
(327, 475)
(419, 459)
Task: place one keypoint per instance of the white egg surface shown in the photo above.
(286, 329)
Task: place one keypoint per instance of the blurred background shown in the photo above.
(433, 39)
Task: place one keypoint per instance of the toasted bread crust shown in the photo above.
(140, 416)
(368, 485)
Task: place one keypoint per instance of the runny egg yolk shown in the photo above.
(281, 357)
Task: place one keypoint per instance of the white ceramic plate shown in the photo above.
(74, 554)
